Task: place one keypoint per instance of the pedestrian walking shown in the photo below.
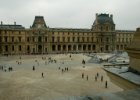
(95, 78)
(87, 77)
(33, 68)
(102, 78)
(42, 75)
(106, 84)
(82, 75)
(97, 74)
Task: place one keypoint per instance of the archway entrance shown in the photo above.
(39, 48)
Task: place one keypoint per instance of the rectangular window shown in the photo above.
(87, 39)
(19, 38)
(63, 39)
(6, 39)
(83, 39)
(33, 38)
(53, 39)
(12, 39)
(73, 39)
(46, 39)
(92, 39)
(107, 39)
(13, 48)
(28, 39)
(6, 48)
(45, 49)
(78, 39)
(19, 48)
(33, 50)
(122, 39)
(58, 39)
(118, 39)
(0, 39)
(68, 39)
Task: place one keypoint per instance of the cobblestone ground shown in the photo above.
(25, 84)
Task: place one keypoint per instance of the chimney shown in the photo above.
(96, 15)
(111, 16)
(138, 30)
(1, 23)
(14, 23)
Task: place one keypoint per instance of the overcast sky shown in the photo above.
(71, 13)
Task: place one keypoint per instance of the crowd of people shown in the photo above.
(63, 69)
(5, 68)
(97, 77)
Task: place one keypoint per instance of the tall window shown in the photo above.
(39, 39)
(101, 40)
(101, 28)
(12, 39)
(53, 39)
(73, 39)
(58, 39)
(6, 48)
(122, 39)
(13, 48)
(87, 39)
(83, 39)
(0, 39)
(92, 39)
(33, 38)
(106, 28)
(107, 39)
(6, 39)
(28, 39)
(63, 39)
(68, 39)
(19, 48)
(78, 39)
(46, 39)
(19, 38)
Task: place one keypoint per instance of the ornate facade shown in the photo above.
(39, 38)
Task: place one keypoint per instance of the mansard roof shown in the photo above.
(39, 21)
(103, 19)
(70, 29)
(126, 31)
(7, 26)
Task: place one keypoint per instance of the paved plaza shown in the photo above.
(24, 83)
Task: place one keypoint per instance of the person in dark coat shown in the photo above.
(106, 84)
(102, 78)
(33, 68)
(42, 75)
(87, 77)
(82, 75)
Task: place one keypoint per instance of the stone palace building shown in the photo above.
(40, 39)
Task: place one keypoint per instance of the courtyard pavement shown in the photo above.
(24, 83)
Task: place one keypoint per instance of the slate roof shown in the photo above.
(103, 18)
(6, 26)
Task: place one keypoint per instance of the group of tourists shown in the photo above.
(96, 78)
(66, 69)
(4, 68)
(62, 69)
(19, 62)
